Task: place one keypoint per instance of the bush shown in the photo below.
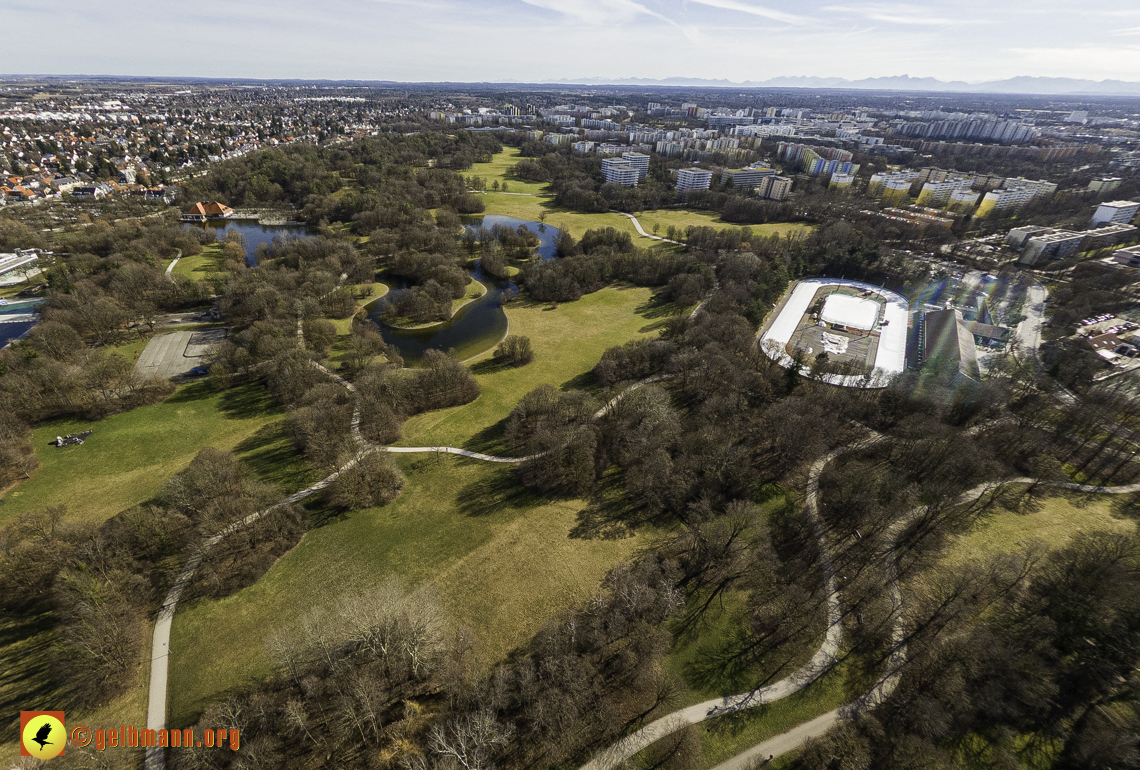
(514, 351)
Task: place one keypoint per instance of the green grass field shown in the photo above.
(682, 219)
(130, 456)
(500, 170)
(499, 557)
(567, 342)
(578, 223)
(1061, 516)
(200, 266)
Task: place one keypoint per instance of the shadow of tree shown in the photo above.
(654, 308)
(247, 402)
(490, 440)
(498, 491)
(193, 392)
(26, 643)
(608, 514)
(581, 381)
(488, 366)
(273, 458)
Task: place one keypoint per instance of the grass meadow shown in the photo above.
(130, 456)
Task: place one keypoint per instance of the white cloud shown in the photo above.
(755, 10)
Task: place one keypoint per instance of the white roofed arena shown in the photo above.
(860, 327)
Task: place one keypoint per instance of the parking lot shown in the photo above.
(176, 353)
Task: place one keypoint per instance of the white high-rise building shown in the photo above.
(619, 171)
(692, 179)
(639, 161)
(1115, 212)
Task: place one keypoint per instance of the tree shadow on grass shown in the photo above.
(497, 492)
(25, 659)
(247, 402)
(490, 440)
(608, 514)
(193, 392)
(654, 309)
(488, 366)
(581, 381)
(273, 458)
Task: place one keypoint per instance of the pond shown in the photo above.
(477, 326)
(254, 234)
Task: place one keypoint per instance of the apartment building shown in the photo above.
(840, 181)
(1105, 184)
(639, 161)
(879, 181)
(938, 193)
(774, 188)
(1005, 199)
(619, 171)
(1057, 244)
(689, 179)
(1115, 212)
(747, 178)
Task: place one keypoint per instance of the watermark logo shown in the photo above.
(42, 734)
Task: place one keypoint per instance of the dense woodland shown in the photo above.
(1029, 656)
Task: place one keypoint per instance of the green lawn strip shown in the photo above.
(682, 219)
(500, 169)
(344, 325)
(201, 265)
(576, 222)
(567, 342)
(499, 557)
(130, 456)
(1054, 520)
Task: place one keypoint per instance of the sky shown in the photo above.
(549, 40)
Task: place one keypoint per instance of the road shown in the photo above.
(1028, 332)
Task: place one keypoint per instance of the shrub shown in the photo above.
(514, 351)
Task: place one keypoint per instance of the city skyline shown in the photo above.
(548, 41)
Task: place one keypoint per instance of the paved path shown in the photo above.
(820, 662)
(892, 672)
(1028, 332)
(174, 262)
(160, 641)
(637, 226)
(705, 301)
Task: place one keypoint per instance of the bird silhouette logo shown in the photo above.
(42, 734)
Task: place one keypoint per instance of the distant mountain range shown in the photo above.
(1017, 85)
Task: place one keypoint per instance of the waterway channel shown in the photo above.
(479, 325)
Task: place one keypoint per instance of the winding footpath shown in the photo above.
(640, 231)
(170, 267)
(160, 640)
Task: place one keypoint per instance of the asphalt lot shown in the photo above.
(176, 353)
